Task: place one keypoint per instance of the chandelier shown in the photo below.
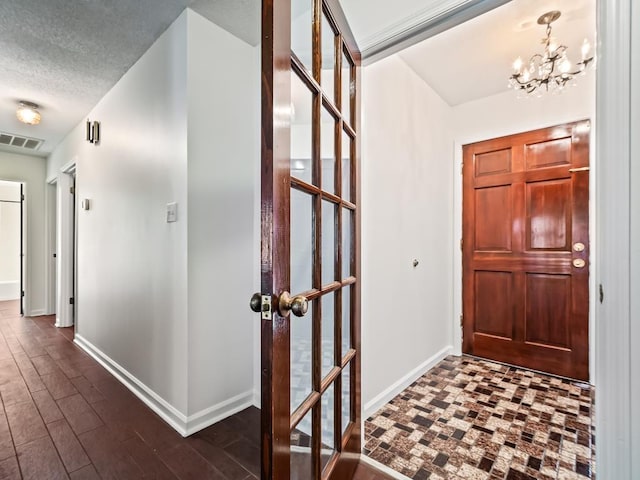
(551, 69)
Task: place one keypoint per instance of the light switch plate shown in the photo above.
(172, 212)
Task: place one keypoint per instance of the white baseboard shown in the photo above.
(383, 468)
(9, 290)
(184, 425)
(386, 395)
(60, 324)
(222, 410)
(36, 313)
(257, 402)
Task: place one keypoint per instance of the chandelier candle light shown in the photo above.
(551, 69)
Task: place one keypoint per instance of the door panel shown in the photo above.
(494, 306)
(547, 312)
(549, 215)
(526, 249)
(493, 162)
(310, 242)
(493, 232)
(548, 153)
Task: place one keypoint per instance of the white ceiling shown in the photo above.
(372, 25)
(65, 55)
(474, 60)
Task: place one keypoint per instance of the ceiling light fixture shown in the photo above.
(28, 113)
(552, 69)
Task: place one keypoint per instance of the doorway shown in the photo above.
(65, 250)
(526, 250)
(12, 242)
(51, 249)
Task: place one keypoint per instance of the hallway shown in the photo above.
(64, 416)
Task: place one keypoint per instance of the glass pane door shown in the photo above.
(310, 217)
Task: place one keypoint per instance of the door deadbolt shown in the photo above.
(578, 262)
(578, 247)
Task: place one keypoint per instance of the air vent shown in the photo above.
(18, 141)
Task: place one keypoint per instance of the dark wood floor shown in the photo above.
(64, 416)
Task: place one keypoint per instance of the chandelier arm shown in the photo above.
(517, 79)
(533, 57)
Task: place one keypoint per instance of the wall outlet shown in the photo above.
(172, 212)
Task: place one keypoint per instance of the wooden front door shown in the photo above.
(526, 250)
(311, 425)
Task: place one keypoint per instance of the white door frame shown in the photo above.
(618, 233)
(51, 244)
(22, 287)
(65, 245)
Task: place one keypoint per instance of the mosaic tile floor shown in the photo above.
(474, 419)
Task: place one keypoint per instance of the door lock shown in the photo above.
(261, 304)
(578, 263)
(578, 247)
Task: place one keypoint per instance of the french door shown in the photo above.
(310, 288)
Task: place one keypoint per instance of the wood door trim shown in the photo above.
(276, 90)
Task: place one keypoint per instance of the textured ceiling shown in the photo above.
(65, 55)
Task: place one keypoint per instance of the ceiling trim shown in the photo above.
(425, 24)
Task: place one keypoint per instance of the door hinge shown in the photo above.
(462, 168)
(22, 293)
(601, 293)
(461, 320)
(72, 190)
(461, 244)
(71, 301)
(22, 197)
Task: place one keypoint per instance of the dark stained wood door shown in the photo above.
(311, 421)
(526, 249)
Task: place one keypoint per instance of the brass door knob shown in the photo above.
(298, 305)
(256, 302)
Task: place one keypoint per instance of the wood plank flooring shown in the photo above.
(63, 416)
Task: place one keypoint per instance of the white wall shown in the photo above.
(31, 171)
(10, 232)
(131, 302)
(407, 147)
(223, 146)
(506, 114)
(9, 241)
(634, 215)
